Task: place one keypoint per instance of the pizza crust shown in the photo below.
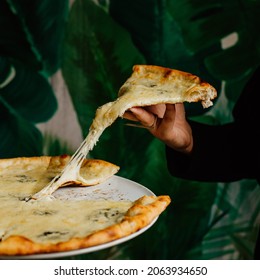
(47, 226)
(141, 214)
(93, 171)
(148, 85)
(151, 84)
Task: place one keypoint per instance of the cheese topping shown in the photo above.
(48, 221)
(57, 221)
(148, 85)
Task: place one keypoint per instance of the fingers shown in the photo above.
(158, 109)
(130, 116)
(180, 110)
(161, 117)
(174, 111)
(146, 118)
(170, 113)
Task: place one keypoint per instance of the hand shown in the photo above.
(166, 122)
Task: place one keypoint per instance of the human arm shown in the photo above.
(209, 153)
(226, 152)
(221, 153)
(203, 152)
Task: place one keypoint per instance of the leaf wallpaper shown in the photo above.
(30, 51)
(95, 44)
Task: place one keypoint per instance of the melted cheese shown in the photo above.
(148, 85)
(49, 221)
(57, 221)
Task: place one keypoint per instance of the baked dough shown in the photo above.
(148, 85)
(55, 225)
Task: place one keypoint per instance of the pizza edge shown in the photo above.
(41, 160)
(60, 162)
(140, 215)
(199, 91)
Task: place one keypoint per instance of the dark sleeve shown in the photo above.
(227, 152)
(221, 153)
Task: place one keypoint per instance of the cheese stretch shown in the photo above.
(148, 85)
(48, 221)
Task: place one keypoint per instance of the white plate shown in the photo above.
(115, 188)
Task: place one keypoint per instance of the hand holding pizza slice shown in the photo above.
(148, 85)
(45, 226)
(164, 115)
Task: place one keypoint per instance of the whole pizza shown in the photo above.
(53, 225)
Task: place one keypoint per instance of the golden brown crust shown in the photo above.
(141, 214)
(173, 85)
(25, 161)
(94, 171)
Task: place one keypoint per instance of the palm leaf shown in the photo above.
(234, 234)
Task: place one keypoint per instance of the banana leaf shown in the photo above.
(100, 53)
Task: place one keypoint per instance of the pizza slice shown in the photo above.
(148, 85)
(37, 172)
(151, 84)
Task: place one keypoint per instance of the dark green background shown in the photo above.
(96, 47)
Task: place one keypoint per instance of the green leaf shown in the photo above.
(13, 39)
(205, 23)
(54, 146)
(96, 62)
(233, 221)
(42, 24)
(158, 37)
(18, 136)
(28, 93)
(31, 35)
